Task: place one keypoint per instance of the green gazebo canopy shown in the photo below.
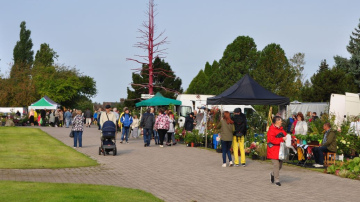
(157, 100)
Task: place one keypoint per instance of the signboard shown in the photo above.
(146, 96)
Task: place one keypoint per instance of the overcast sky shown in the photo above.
(96, 37)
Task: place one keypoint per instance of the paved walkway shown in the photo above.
(179, 173)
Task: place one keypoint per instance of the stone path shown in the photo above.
(179, 173)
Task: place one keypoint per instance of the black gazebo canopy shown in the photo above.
(247, 92)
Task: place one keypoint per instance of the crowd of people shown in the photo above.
(160, 126)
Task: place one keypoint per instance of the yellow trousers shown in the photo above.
(239, 142)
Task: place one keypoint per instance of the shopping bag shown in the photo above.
(283, 152)
(71, 134)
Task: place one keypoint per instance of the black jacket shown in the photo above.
(189, 123)
(240, 125)
(147, 121)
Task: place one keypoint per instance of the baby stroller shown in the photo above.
(108, 142)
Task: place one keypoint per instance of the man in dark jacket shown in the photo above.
(327, 145)
(239, 136)
(189, 122)
(147, 123)
(88, 116)
(43, 116)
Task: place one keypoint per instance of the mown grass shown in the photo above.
(34, 191)
(31, 148)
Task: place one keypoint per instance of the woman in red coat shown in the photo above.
(275, 136)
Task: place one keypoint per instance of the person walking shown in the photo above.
(170, 132)
(275, 136)
(88, 116)
(162, 125)
(98, 119)
(31, 117)
(43, 117)
(135, 127)
(147, 123)
(61, 118)
(67, 117)
(78, 128)
(125, 120)
(57, 117)
(240, 124)
(226, 136)
(52, 118)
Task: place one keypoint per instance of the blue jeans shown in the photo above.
(67, 122)
(156, 137)
(78, 135)
(225, 148)
(125, 132)
(147, 136)
(319, 155)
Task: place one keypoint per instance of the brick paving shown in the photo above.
(179, 173)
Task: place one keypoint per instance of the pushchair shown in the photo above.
(108, 142)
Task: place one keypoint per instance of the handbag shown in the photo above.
(71, 134)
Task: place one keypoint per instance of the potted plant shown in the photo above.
(262, 151)
(253, 151)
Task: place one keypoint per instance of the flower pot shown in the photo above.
(254, 157)
(263, 158)
(218, 151)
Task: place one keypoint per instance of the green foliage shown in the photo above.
(262, 149)
(273, 71)
(45, 56)
(164, 81)
(327, 81)
(22, 51)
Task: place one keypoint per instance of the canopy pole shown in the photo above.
(269, 119)
(206, 114)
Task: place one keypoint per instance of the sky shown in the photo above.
(96, 37)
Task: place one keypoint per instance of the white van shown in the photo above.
(192, 102)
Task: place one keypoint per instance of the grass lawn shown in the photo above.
(30, 148)
(34, 191)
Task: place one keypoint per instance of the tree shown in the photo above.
(45, 56)
(273, 71)
(151, 44)
(297, 62)
(323, 66)
(23, 54)
(327, 81)
(239, 58)
(352, 65)
(165, 81)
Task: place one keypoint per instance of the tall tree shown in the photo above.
(150, 44)
(239, 58)
(45, 56)
(23, 54)
(273, 71)
(297, 62)
(352, 65)
(165, 81)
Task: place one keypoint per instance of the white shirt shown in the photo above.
(301, 128)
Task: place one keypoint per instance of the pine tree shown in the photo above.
(323, 66)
